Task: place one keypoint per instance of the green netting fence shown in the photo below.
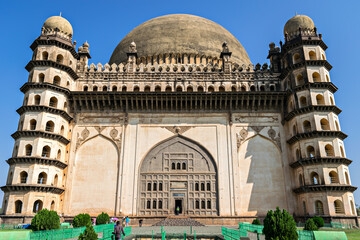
(341, 225)
(10, 226)
(305, 235)
(251, 227)
(231, 234)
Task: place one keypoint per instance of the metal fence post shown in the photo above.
(152, 234)
(194, 234)
(190, 229)
(185, 235)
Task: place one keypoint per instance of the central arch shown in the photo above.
(178, 173)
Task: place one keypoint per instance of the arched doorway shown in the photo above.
(170, 176)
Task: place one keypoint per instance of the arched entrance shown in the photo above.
(178, 174)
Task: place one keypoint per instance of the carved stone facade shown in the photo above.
(205, 132)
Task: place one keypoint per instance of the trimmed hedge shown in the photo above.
(279, 226)
(81, 220)
(103, 218)
(45, 220)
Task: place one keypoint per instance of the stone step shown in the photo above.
(178, 221)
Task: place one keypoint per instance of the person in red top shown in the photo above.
(118, 230)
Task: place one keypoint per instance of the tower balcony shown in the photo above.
(316, 134)
(320, 161)
(41, 134)
(312, 108)
(335, 187)
(37, 160)
(49, 63)
(32, 188)
(42, 108)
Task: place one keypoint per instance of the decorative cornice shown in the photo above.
(37, 160)
(42, 134)
(300, 41)
(316, 134)
(313, 108)
(41, 108)
(55, 41)
(320, 161)
(30, 85)
(316, 85)
(32, 188)
(306, 63)
(325, 188)
(49, 63)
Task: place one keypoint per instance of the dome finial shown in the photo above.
(60, 14)
(295, 13)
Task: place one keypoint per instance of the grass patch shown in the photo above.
(352, 234)
(13, 230)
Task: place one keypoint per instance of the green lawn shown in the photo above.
(352, 234)
(10, 230)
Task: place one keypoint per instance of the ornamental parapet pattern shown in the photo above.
(32, 188)
(42, 134)
(37, 160)
(313, 108)
(325, 188)
(316, 134)
(41, 108)
(319, 161)
(49, 63)
(32, 85)
(55, 41)
(177, 101)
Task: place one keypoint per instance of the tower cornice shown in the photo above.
(55, 41)
(41, 108)
(301, 41)
(49, 63)
(306, 63)
(42, 134)
(45, 85)
(325, 188)
(316, 134)
(37, 160)
(32, 188)
(315, 85)
(320, 161)
(312, 108)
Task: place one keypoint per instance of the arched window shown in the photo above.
(347, 179)
(50, 126)
(312, 55)
(307, 126)
(327, 78)
(45, 151)
(86, 88)
(296, 58)
(202, 204)
(297, 154)
(124, 89)
(316, 77)
(158, 89)
(303, 101)
(45, 56)
(314, 178)
(147, 89)
(202, 186)
(160, 204)
(37, 99)
(136, 89)
(294, 129)
(252, 88)
(32, 124)
(310, 151)
(148, 204)
(114, 88)
(58, 156)
(324, 124)
(211, 89)
(53, 102)
(57, 80)
(42, 178)
(352, 207)
(52, 206)
(18, 206)
(197, 204)
(160, 186)
(329, 150)
(67, 83)
(333, 177)
(178, 166)
(337, 126)
(38, 205)
(189, 89)
(28, 150)
(41, 78)
(319, 208)
(173, 166)
(320, 99)
(23, 177)
(104, 89)
(272, 88)
(233, 89)
(179, 89)
(200, 89)
(301, 182)
(299, 79)
(196, 186)
(149, 186)
(262, 88)
(168, 89)
(339, 207)
(183, 166)
(243, 88)
(154, 186)
(221, 89)
(154, 204)
(95, 88)
(56, 180)
(208, 186)
(59, 59)
(208, 204)
(62, 129)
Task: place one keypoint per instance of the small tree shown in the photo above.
(81, 220)
(256, 222)
(319, 221)
(45, 220)
(103, 218)
(310, 225)
(279, 226)
(88, 234)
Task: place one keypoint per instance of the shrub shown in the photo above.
(81, 220)
(319, 221)
(279, 226)
(45, 220)
(256, 222)
(103, 218)
(89, 233)
(310, 225)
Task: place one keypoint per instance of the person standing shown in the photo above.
(118, 231)
(127, 221)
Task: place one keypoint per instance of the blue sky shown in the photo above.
(254, 23)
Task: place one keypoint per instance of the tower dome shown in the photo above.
(299, 21)
(180, 34)
(60, 23)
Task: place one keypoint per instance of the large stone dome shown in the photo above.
(60, 23)
(180, 34)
